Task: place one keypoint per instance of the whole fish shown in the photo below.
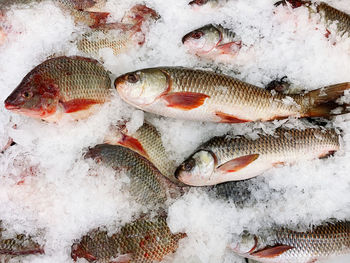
(147, 184)
(211, 41)
(281, 245)
(207, 96)
(210, 3)
(63, 85)
(146, 141)
(226, 158)
(20, 245)
(328, 14)
(120, 37)
(142, 241)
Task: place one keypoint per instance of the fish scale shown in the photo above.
(142, 241)
(318, 243)
(330, 14)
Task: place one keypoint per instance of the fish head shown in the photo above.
(35, 96)
(202, 40)
(140, 13)
(247, 244)
(143, 87)
(198, 169)
(198, 2)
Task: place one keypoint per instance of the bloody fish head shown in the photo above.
(197, 170)
(140, 13)
(143, 87)
(202, 40)
(35, 97)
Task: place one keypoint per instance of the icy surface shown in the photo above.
(47, 189)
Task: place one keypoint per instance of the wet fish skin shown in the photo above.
(58, 86)
(146, 141)
(120, 37)
(277, 245)
(211, 41)
(224, 158)
(147, 184)
(142, 241)
(207, 96)
(20, 245)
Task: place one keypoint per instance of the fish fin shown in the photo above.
(79, 252)
(230, 47)
(324, 101)
(185, 100)
(133, 144)
(271, 252)
(227, 118)
(237, 163)
(99, 18)
(78, 105)
(125, 258)
(293, 3)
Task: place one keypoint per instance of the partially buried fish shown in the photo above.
(146, 141)
(281, 245)
(328, 14)
(212, 41)
(61, 86)
(226, 158)
(20, 245)
(119, 37)
(210, 3)
(207, 96)
(142, 241)
(147, 184)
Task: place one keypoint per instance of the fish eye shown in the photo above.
(27, 94)
(132, 78)
(188, 166)
(197, 35)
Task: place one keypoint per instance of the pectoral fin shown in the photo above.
(271, 252)
(230, 48)
(237, 163)
(185, 100)
(227, 118)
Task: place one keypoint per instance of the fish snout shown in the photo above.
(10, 104)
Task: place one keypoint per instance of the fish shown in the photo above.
(328, 14)
(147, 184)
(211, 41)
(19, 245)
(228, 158)
(120, 37)
(146, 141)
(143, 241)
(211, 3)
(282, 245)
(201, 95)
(60, 86)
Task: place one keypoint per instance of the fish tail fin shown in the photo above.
(323, 102)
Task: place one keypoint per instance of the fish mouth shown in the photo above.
(10, 106)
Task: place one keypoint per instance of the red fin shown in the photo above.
(271, 252)
(230, 48)
(185, 100)
(100, 18)
(227, 118)
(78, 105)
(238, 163)
(133, 144)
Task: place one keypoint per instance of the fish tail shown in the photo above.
(324, 102)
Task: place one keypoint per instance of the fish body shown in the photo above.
(61, 86)
(147, 142)
(207, 96)
(142, 241)
(147, 184)
(20, 245)
(327, 13)
(226, 158)
(120, 37)
(212, 41)
(280, 245)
